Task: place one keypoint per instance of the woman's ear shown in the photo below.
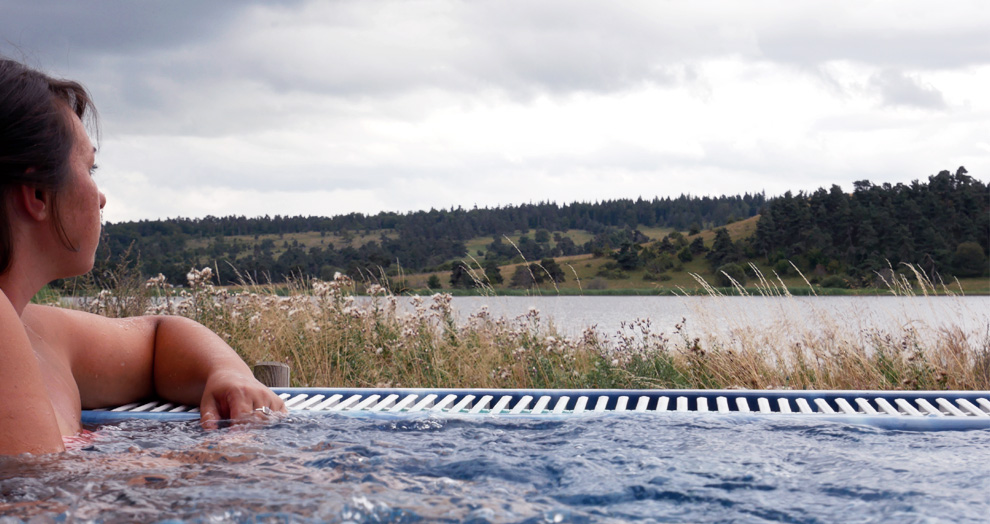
(34, 202)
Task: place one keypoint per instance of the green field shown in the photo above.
(581, 271)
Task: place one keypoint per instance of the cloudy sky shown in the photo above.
(331, 107)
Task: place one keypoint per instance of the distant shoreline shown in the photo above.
(668, 292)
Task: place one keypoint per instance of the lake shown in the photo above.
(572, 314)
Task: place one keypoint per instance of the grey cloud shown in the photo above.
(567, 46)
(898, 89)
(131, 55)
(144, 55)
(360, 49)
(352, 49)
(246, 60)
(367, 72)
(814, 34)
(516, 47)
(935, 51)
(78, 29)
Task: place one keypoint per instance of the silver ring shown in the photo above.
(265, 410)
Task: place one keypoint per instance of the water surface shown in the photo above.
(572, 314)
(604, 468)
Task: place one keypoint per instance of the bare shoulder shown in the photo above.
(88, 342)
(12, 327)
(49, 321)
(71, 329)
(35, 313)
(9, 320)
(53, 317)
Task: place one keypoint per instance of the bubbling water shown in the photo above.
(677, 467)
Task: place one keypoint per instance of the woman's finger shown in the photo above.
(278, 404)
(240, 405)
(209, 414)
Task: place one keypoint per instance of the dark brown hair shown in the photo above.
(35, 139)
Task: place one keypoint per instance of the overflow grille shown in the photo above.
(922, 409)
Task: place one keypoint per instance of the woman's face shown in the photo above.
(79, 204)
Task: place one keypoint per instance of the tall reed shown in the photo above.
(332, 337)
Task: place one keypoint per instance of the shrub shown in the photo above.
(783, 268)
(969, 260)
(835, 281)
(725, 274)
(596, 284)
(612, 274)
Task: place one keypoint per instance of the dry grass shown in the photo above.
(739, 229)
(330, 337)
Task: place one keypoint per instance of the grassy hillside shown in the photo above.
(582, 271)
(583, 274)
(737, 230)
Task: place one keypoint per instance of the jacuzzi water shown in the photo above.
(601, 468)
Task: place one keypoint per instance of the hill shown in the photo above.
(272, 248)
(836, 239)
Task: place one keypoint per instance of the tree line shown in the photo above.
(836, 239)
(418, 241)
(941, 225)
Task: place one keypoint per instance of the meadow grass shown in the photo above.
(330, 336)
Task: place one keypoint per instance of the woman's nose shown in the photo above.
(103, 200)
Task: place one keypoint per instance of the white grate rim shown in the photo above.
(575, 404)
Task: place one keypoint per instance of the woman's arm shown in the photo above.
(116, 361)
(193, 364)
(27, 419)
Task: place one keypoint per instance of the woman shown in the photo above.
(55, 362)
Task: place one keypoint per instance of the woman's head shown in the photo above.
(36, 140)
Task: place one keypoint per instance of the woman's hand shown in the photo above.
(238, 397)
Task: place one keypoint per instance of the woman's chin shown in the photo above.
(79, 270)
